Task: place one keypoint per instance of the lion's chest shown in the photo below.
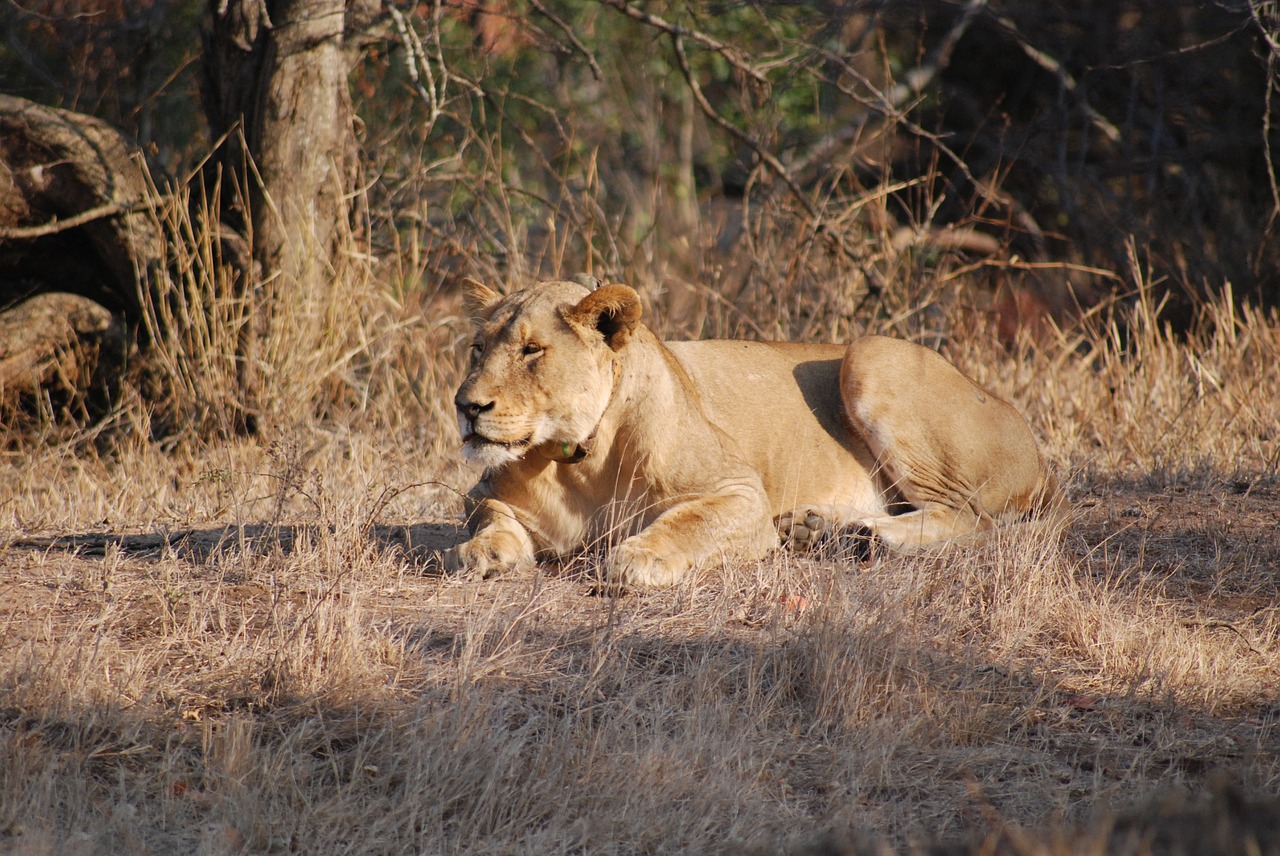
(592, 502)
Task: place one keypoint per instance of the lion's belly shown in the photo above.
(781, 403)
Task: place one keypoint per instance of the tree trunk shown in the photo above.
(280, 71)
(275, 85)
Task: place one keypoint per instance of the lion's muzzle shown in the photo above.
(468, 408)
(478, 443)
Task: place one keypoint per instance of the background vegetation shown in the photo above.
(1016, 159)
(228, 634)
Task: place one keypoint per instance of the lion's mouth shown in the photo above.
(475, 438)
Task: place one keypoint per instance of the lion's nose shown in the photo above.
(470, 409)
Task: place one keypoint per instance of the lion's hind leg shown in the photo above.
(814, 528)
(924, 526)
(960, 458)
(801, 528)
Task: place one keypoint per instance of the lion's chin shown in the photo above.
(490, 454)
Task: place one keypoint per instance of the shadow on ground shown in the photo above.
(421, 543)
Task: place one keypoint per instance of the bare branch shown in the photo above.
(1067, 81)
(431, 93)
(54, 226)
(742, 136)
(918, 78)
(894, 103)
(1267, 17)
(818, 224)
(1266, 14)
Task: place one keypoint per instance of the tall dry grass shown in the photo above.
(234, 644)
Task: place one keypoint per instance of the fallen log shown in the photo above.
(78, 247)
(63, 345)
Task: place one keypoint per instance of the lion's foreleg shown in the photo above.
(500, 543)
(729, 523)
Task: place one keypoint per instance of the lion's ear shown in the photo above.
(613, 310)
(478, 298)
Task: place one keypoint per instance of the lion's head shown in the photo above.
(542, 368)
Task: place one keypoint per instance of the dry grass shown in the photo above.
(245, 646)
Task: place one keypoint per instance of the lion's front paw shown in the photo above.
(635, 565)
(486, 556)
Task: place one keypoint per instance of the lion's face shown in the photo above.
(541, 369)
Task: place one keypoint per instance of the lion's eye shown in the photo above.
(531, 349)
(477, 349)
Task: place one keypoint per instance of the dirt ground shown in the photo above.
(1210, 546)
(1212, 543)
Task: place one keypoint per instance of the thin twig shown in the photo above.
(730, 53)
(1224, 625)
(769, 159)
(571, 36)
(1263, 15)
(1018, 264)
(415, 56)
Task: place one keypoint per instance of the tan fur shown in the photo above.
(590, 429)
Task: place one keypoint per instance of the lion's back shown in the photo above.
(780, 402)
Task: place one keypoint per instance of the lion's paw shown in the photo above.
(484, 557)
(635, 565)
(801, 528)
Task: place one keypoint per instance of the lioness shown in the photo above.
(589, 427)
